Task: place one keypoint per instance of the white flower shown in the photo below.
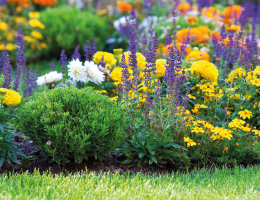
(49, 78)
(205, 49)
(77, 71)
(122, 21)
(93, 72)
(193, 13)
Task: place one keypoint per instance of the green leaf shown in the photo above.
(141, 154)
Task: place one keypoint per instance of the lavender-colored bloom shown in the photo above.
(204, 3)
(223, 33)
(7, 73)
(101, 62)
(132, 43)
(125, 78)
(3, 58)
(20, 59)
(242, 19)
(87, 51)
(94, 47)
(3, 2)
(133, 19)
(52, 66)
(168, 40)
(174, 15)
(76, 55)
(144, 43)
(63, 61)
(155, 45)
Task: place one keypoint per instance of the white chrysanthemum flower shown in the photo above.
(77, 71)
(93, 72)
(50, 78)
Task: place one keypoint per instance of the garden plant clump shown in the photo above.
(183, 94)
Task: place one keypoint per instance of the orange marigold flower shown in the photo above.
(184, 8)
(197, 35)
(125, 7)
(232, 11)
(226, 21)
(216, 34)
(197, 55)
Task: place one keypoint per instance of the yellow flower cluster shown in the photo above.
(235, 74)
(160, 67)
(12, 98)
(141, 63)
(205, 70)
(108, 58)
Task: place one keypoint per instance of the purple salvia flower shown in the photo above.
(133, 19)
(87, 51)
(52, 66)
(3, 58)
(125, 78)
(63, 61)
(174, 15)
(94, 47)
(76, 54)
(7, 73)
(242, 19)
(101, 62)
(3, 2)
(20, 59)
(144, 43)
(168, 40)
(223, 33)
(155, 45)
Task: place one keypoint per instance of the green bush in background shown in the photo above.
(70, 123)
(66, 27)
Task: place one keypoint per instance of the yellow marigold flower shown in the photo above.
(255, 82)
(160, 67)
(108, 58)
(36, 23)
(43, 45)
(225, 149)
(191, 97)
(142, 98)
(235, 74)
(197, 130)
(237, 144)
(9, 47)
(189, 141)
(140, 60)
(144, 88)
(205, 70)
(197, 55)
(37, 35)
(245, 129)
(116, 75)
(3, 26)
(114, 98)
(245, 114)
(118, 53)
(102, 91)
(12, 98)
(20, 20)
(34, 15)
(29, 39)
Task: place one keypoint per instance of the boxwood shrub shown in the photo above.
(70, 123)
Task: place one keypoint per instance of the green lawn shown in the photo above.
(239, 183)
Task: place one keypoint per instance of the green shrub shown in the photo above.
(66, 27)
(70, 123)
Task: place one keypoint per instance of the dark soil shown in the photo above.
(112, 163)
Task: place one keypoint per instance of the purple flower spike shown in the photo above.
(63, 61)
(94, 47)
(87, 51)
(52, 66)
(7, 73)
(76, 54)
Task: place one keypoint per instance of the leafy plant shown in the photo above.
(70, 29)
(70, 123)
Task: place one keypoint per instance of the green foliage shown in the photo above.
(70, 123)
(70, 28)
(214, 184)
(9, 150)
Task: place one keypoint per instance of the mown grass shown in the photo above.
(239, 183)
